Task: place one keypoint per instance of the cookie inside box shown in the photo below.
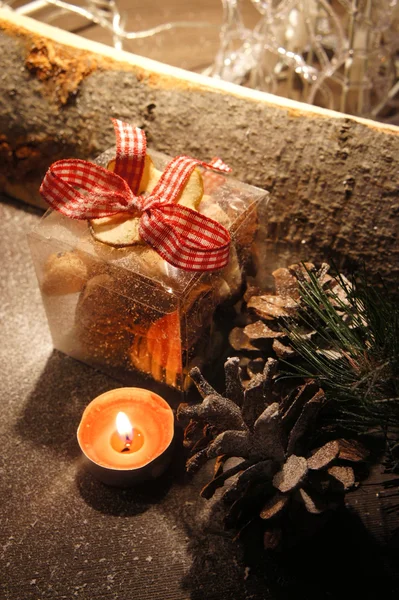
(126, 310)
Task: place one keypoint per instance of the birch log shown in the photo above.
(333, 178)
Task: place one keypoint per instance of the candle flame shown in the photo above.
(124, 427)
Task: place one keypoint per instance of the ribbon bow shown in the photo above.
(183, 237)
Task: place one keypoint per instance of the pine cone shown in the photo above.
(266, 460)
(261, 324)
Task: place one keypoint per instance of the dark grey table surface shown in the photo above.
(65, 535)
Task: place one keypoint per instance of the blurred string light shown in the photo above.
(339, 54)
(104, 13)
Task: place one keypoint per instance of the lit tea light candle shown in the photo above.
(126, 436)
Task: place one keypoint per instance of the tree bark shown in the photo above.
(333, 178)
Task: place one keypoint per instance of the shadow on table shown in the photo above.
(341, 561)
(51, 418)
(54, 409)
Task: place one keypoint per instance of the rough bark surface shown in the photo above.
(333, 179)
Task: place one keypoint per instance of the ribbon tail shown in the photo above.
(186, 239)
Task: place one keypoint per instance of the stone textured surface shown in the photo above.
(334, 180)
(64, 535)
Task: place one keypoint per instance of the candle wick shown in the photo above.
(128, 443)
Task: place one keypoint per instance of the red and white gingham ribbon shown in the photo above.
(182, 236)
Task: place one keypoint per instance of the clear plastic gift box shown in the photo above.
(128, 312)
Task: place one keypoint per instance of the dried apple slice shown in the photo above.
(118, 230)
(192, 192)
(149, 177)
(123, 230)
(158, 352)
(164, 344)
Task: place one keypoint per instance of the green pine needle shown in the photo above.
(353, 354)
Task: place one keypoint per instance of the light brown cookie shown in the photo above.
(64, 273)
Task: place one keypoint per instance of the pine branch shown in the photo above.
(354, 354)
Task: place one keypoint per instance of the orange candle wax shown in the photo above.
(140, 450)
